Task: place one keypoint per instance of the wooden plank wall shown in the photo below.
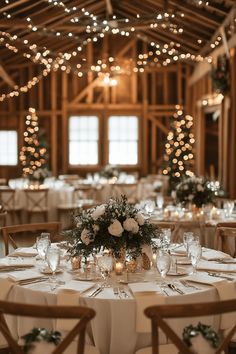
(152, 96)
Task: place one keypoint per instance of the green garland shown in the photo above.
(38, 335)
(206, 331)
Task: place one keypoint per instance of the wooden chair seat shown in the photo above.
(82, 315)
(9, 233)
(161, 314)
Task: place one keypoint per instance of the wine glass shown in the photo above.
(105, 264)
(228, 207)
(53, 260)
(165, 238)
(149, 207)
(160, 201)
(42, 244)
(187, 238)
(163, 261)
(195, 252)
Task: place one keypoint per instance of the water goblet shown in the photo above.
(163, 261)
(53, 260)
(165, 238)
(42, 244)
(228, 207)
(160, 201)
(195, 252)
(105, 264)
(149, 207)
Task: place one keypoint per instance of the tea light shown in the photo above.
(166, 213)
(119, 268)
(76, 262)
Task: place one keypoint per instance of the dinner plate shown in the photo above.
(48, 271)
(86, 277)
(179, 272)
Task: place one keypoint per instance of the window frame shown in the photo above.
(17, 147)
(87, 166)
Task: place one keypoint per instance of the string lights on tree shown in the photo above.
(33, 154)
(178, 158)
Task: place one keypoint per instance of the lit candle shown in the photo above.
(75, 262)
(119, 268)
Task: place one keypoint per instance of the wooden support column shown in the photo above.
(144, 137)
(54, 123)
(64, 150)
(134, 90)
(153, 150)
(179, 83)
(200, 142)
(90, 74)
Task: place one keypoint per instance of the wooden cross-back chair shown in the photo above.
(127, 189)
(224, 232)
(36, 203)
(8, 202)
(9, 233)
(159, 315)
(82, 314)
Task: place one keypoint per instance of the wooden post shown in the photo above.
(65, 138)
(54, 124)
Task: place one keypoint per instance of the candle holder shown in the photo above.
(119, 266)
(76, 262)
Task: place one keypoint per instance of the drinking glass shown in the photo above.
(149, 206)
(195, 252)
(228, 207)
(53, 260)
(165, 238)
(160, 201)
(105, 264)
(42, 244)
(163, 263)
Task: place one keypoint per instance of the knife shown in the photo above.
(217, 275)
(96, 291)
(174, 288)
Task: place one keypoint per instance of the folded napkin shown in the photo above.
(12, 266)
(216, 267)
(145, 294)
(24, 276)
(209, 255)
(67, 297)
(24, 252)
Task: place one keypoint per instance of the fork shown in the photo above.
(174, 288)
(116, 292)
(187, 285)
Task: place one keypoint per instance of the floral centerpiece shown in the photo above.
(110, 171)
(115, 226)
(39, 175)
(194, 190)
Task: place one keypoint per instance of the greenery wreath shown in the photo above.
(38, 335)
(206, 331)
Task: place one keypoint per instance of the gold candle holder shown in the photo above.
(119, 268)
(76, 262)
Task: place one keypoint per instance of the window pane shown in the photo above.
(123, 140)
(8, 147)
(83, 140)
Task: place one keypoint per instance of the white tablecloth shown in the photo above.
(114, 329)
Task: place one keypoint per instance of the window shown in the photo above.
(8, 148)
(83, 140)
(123, 140)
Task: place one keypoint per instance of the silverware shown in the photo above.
(123, 292)
(218, 275)
(164, 290)
(188, 285)
(94, 292)
(174, 288)
(116, 292)
(32, 281)
(97, 291)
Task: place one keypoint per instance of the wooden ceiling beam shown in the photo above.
(12, 5)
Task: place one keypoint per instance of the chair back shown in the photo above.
(3, 216)
(82, 314)
(83, 193)
(161, 314)
(9, 233)
(225, 237)
(7, 198)
(36, 199)
(127, 189)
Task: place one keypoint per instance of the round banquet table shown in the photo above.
(116, 328)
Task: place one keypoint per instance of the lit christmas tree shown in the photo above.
(178, 158)
(33, 155)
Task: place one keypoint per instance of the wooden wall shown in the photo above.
(151, 95)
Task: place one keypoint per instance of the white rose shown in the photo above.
(173, 194)
(115, 229)
(131, 225)
(140, 219)
(99, 211)
(200, 188)
(190, 197)
(185, 187)
(85, 237)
